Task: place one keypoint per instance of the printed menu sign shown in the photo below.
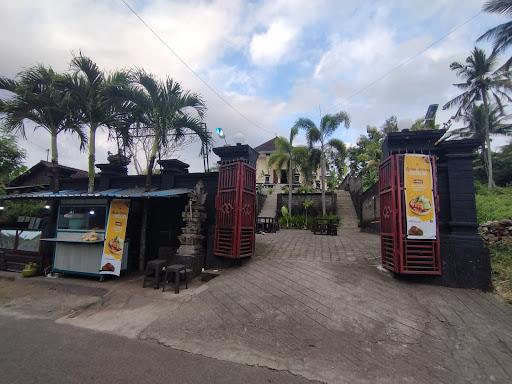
(419, 197)
(114, 237)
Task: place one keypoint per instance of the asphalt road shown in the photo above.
(41, 351)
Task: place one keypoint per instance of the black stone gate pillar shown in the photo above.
(465, 260)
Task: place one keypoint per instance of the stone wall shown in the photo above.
(494, 231)
(298, 201)
(370, 209)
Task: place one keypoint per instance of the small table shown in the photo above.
(174, 270)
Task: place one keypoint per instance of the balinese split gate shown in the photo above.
(428, 222)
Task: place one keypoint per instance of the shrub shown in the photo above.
(304, 189)
(301, 221)
(296, 222)
(270, 190)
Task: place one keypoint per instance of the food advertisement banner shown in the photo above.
(419, 197)
(114, 237)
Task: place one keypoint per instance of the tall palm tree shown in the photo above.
(163, 110)
(501, 35)
(99, 100)
(475, 119)
(320, 135)
(39, 96)
(284, 155)
(481, 82)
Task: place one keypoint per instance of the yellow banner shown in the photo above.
(419, 197)
(114, 237)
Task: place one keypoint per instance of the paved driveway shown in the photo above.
(319, 307)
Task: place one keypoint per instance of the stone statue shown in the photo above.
(191, 240)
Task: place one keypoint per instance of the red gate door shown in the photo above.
(399, 253)
(235, 210)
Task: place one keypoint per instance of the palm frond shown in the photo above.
(305, 124)
(278, 159)
(294, 131)
(499, 6)
(88, 67)
(8, 84)
(313, 135)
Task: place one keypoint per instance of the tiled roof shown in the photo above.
(268, 146)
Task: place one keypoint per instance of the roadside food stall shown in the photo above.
(80, 238)
(91, 236)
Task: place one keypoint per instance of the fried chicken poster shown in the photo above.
(114, 237)
(419, 197)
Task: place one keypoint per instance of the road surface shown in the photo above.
(41, 351)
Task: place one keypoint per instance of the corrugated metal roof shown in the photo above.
(134, 193)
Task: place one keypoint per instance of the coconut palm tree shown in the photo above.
(501, 35)
(475, 119)
(39, 96)
(481, 82)
(163, 110)
(284, 155)
(99, 100)
(320, 135)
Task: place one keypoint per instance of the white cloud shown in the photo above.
(270, 47)
(222, 39)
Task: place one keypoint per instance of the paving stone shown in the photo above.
(318, 307)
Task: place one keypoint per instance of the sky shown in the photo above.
(270, 61)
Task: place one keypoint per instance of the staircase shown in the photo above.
(346, 210)
(270, 206)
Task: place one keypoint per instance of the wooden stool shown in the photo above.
(174, 271)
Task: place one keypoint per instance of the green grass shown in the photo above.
(501, 261)
(494, 204)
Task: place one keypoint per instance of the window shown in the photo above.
(28, 240)
(20, 239)
(7, 238)
(267, 179)
(296, 178)
(82, 217)
(284, 176)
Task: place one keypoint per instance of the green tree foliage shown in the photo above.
(421, 125)
(501, 35)
(307, 161)
(321, 135)
(365, 156)
(390, 125)
(285, 155)
(166, 111)
(475, 119)
(39, 95)
(482, 83)
(99, 101)
(336, 155)
(503, 162)
(11, 158)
